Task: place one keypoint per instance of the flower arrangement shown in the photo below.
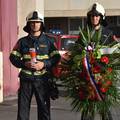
(93, 77)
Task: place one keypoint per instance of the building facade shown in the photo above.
(66, 15)
(8, 37)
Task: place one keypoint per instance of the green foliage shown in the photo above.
(79, 88)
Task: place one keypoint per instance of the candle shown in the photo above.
(32, 52)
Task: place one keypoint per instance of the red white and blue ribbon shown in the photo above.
(91, 77)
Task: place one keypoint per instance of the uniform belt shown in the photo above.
(34, 73)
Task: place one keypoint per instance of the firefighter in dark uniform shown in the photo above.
(34, 72)
(96, 21)
(97, 24)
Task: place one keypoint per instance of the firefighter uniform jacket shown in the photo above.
(45, 51)
(105, 34)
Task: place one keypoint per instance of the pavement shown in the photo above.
(60, 110)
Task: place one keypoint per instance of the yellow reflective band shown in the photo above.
(16, 53)
(26, 56)
(27, 72)
(40, 72)
(34, 73)
(42, 57)
(39, 57)
(54, 53)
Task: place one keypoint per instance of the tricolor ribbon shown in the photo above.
(108, 50)
(91, 77)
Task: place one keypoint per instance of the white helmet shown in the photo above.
(97, 9)
(34, 16)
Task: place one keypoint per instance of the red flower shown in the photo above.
(105, 59)
(81, 95)
(57, 71)
(103, 90)
(109, 82)
(96, 69)
(99, 83)
(109, 70)
(92, 59)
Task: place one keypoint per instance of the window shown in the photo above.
(67, 43)
(74, 24)
(112, 20)
(118, 21)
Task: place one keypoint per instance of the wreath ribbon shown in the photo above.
(91, 77)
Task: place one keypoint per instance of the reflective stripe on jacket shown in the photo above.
(45, 50)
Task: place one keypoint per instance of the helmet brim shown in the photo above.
(35, 20)
(94, 12)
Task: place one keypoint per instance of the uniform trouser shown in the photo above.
(25, 93)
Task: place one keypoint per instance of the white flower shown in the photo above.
(89, 48)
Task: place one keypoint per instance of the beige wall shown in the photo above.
(61, 8)
(58, 8)
(24, 7)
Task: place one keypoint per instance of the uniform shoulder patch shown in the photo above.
(43, 45)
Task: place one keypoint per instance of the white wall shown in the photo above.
(78, 7)
(79, 4)
(61, 8)
(24, 7)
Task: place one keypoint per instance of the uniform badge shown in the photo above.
(42, 45)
